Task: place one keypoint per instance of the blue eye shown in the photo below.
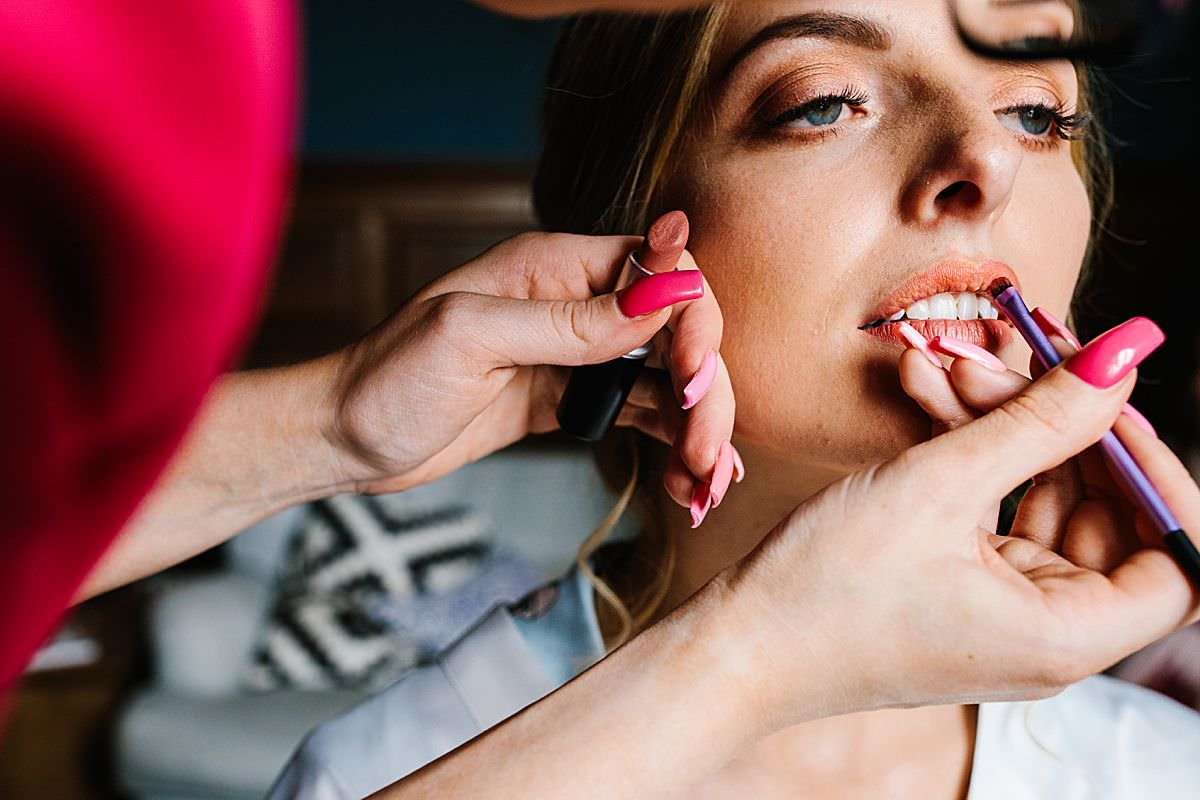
(825, 111)
(1042, 122)
(1035, 119)
(821, 112)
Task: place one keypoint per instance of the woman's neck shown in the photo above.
(924, 752)
(921, 753)
(751, 509)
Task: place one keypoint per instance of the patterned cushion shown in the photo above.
(352, 556)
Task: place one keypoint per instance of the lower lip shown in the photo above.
(990, 334)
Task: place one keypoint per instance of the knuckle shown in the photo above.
(447, 313)
(573, 324)
(1047, 411)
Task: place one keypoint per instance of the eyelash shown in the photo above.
(849, 96)
(1067, 127)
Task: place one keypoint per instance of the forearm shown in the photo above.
(651, 720)
(258, 446)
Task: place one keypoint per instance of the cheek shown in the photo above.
(1049, 229)
(780, 254)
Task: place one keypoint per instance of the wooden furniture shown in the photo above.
(57, 737)
(363, 238)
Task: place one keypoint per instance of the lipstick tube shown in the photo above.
(595, 393)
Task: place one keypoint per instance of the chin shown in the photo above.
(859, 435)
(887, 429)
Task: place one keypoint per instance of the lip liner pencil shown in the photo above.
(1122, 461)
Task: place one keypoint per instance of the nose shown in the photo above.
(963, 172)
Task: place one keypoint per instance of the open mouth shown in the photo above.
(949, 300)
(944, 305)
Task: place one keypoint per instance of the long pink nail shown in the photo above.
(1051, 325)
(917, 342)
(1140, 419)
(722, 473)
(701, 503)
(658, 291)
(701, 382)
(956, 348)
(739, 468)
(1111, 356)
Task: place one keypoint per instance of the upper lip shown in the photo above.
(955, 275)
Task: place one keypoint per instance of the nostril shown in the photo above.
(952, 190)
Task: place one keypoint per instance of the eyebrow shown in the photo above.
(817, 24)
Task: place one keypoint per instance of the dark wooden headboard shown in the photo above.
(362, 238)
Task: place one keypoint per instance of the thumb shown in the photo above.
(1055, 418)
(574, 332)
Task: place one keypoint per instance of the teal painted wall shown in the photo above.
(430, 80)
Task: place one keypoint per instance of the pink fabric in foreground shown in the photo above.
(144, 161)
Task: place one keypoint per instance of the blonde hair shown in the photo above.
(622, 92)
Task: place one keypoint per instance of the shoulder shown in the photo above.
(499, 666)
(1101, 737)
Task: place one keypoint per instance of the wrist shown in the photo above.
(298, 457)
(794, 663)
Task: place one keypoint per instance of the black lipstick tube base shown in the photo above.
(594, 396)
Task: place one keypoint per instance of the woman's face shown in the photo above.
(857, 161)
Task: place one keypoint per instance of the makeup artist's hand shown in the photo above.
(897, 595)
(462, 369)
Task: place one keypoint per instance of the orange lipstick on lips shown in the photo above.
(950, 300)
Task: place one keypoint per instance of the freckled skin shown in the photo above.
(798, 237)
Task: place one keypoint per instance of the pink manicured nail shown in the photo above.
(956, 348)
(1112, 355)
(658, 291)
(701, 382)
(722, 473)
(917, 342)
(739, 469)
(1051, 325)
(701, 503)
(1141, 420)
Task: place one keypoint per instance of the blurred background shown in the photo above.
(418, 140)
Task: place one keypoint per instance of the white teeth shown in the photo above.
(948, 305)
(942, 306)
(968, 305)
(918, 310)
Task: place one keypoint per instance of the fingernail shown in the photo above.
(664, 243)
(739, 469)
(722, 473)
(701, 382)
(658, 291)
(917, 342)
(1110, 356)
(701, 503)
(956, 348)
(1051, 325)
(1141, 420)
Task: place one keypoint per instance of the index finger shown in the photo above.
(542, 266)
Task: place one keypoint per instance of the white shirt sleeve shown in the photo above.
(486, 676)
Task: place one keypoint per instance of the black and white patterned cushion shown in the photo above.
(352, 554)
